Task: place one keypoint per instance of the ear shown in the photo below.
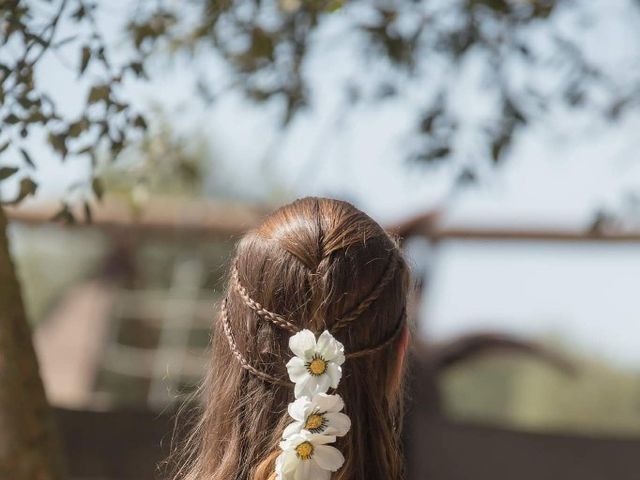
(403, 347)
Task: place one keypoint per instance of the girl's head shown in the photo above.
(317, 264)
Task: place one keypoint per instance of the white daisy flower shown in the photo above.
(306, 456)
(316, 365)
(318, 414)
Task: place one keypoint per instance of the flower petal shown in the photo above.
(338, 424)
(286, 464)
(316, 472)
(306, 387)
(322, 384)
(292, 429)
(325, 345)
(302, 470)
(318, 438)
(334, 373)
(328, 457)
(300, 409)
(303, 343)
(296, 369)
(330, 349)
(324, 402)
(279, 467)
(289, 443)
(290, 461)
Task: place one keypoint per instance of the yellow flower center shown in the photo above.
(317, 366)
(315, 421)
(304, 450)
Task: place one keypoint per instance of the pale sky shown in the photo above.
(558, 173)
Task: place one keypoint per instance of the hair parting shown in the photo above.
(339, 324)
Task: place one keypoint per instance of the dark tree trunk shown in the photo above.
(29, 447)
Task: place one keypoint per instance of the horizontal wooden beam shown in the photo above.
(548, 235)
(164, 217)
(224, 220)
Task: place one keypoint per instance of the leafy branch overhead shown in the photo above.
(27, 108)
(268, 44)
(416, 51)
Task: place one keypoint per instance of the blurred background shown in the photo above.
(498, 138)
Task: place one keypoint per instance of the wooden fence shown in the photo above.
(128, 445)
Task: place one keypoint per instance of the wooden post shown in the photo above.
(29, 446)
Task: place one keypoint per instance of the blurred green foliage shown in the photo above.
(520, 392)
(398, 47)
(50, 261)
(161, 162)
(267, 46)
(29, 30)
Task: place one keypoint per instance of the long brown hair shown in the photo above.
(319, 264)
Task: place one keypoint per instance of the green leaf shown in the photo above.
(137, 68)
(27, 158)
(76, 128)
(436, 154)
(4, 146)
(99, 93)
(140, 122)
(11, 119)
(79, 14)
(27, 187)
(116, 147)
(64, 215)
(84, 59)
(97, 187)
(37, 117)
(102, 55)
(25, 102)
(496, 150)
(262, 44)
(6, 172)
(59, 143)
(334, 5)
(87, 212)
(500, 145)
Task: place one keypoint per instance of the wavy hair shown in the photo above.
(318, 264)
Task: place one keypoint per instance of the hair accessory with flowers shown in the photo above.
(317, 364)
(318, 419)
